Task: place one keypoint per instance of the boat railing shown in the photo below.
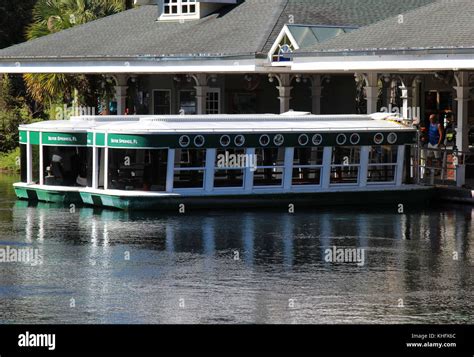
(445, 166)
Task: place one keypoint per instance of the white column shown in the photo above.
(284, 91)
(364, 165)
(201, 93)
(407, 97)
(462, 99)
(400, 165)
(121, 93)
(462, 130)
(170, 170)
(121, 97)
(95, 163)
(326, 174)
(106, 162)
(316, 91)
(41, 160)
(210, 168)
(201, 97)
(285, 97)
(372, 92)
(288, 173)
(248, 184)
(415, 102)
(29, 159)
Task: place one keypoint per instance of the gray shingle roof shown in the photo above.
(248, 28)
(445, 24)
(340, 12)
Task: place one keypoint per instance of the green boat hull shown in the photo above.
(46, 195)
(276, 201)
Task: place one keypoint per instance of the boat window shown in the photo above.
(23, 163)
(138, 170)
(345, 165)
(230, 168)
(35, 154)
(382, 163)
(307, 166)
(189, 168)
(270, 167)
(66, 165)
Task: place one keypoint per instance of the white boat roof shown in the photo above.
(287, 122)
(80, 124)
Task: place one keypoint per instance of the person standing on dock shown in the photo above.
(435, 138)
(435, 134)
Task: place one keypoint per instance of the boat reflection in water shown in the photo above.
(241, 267)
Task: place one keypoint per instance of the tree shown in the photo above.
(13, 112)
(16, 15)
(51, 16)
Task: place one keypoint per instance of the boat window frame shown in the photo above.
(321, 167)
(395, 165)
(189, 169)
(282, 167)
(216, 168)
(358, 166)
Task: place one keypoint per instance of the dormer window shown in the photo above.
(179, 7)
(187, 10)
(294, 37)
(285, 47)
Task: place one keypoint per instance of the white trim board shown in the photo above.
(129, 66)
(383, 63)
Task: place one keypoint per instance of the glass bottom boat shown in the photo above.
(219, 161)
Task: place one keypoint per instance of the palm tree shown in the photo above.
(50, 16)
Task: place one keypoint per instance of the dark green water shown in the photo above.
(182, 269)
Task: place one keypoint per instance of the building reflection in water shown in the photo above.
(407, 255)
(254, 235)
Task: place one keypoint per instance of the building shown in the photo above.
(270, 56)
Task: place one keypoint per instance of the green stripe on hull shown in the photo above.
(22, 193)
(276, 201)
(51, 196)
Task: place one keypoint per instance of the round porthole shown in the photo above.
(184, 141)
(264, 140)
(392, 138)
(355, 139)
(225, 140)
(199, 141)
(341, 139)
(303, 139)
(239, 140)
(278, 140)
(317, 139)
(378, 138)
